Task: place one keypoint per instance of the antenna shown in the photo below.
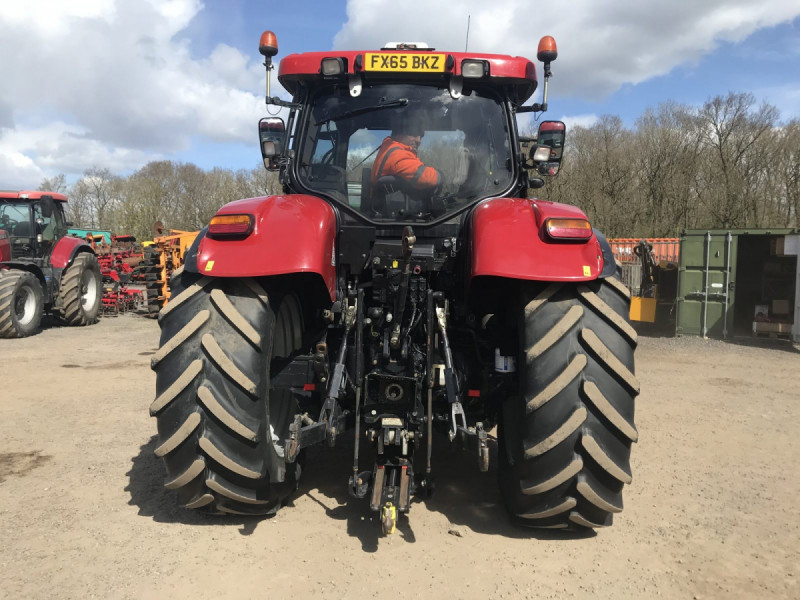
(466, 44)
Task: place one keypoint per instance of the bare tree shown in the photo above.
(667, 152)
(786, 173)
(56, 184)
(99, 190)
(731, 129)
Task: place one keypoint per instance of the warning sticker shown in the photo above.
(210, 265)
(587, 271)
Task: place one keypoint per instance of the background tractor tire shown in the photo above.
(81, 293)
(565, 442)
(20, 304)
(221, 430)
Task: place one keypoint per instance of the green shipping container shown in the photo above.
(82, 233)
(720, 278)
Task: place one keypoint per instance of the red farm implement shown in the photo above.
(118, 264)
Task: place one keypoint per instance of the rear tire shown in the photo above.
(20, 304)
(221, 430)
(565, 443)
(81, 292)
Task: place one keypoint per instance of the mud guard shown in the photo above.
(65, 250)
(5, 246)
(293, 233)
(609, 262)
(507, 240)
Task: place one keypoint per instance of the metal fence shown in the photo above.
(632, 277)
(664, 250)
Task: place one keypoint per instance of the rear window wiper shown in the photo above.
(365, 109)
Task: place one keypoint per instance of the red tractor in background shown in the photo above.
(41, 268)
(358, 301)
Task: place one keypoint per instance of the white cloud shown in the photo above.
(603, 44)
(107, 82)
(17, 171)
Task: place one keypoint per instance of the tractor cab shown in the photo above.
(32, 222)
(351, 108)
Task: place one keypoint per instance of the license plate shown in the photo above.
(410, 63)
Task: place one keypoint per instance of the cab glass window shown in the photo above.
(466, 140)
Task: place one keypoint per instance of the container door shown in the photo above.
(705, 284)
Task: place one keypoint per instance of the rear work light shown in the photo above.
(231, 225)
(568, 229)
(332, 66)
(474, 69)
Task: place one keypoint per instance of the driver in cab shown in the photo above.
(397, 157)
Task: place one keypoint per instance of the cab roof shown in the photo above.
(31, 195)
(503, 70)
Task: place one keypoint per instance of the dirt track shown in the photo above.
(712, 511)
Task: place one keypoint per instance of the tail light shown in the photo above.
(568, 229)
(231, 225)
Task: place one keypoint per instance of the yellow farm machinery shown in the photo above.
(161, 258)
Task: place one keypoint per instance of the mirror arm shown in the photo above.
(536, 107)
(278, 102)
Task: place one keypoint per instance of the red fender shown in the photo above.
(65, 250)
(5, 246)
(292, 234)
(507, 240)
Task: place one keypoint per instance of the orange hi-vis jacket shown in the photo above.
(398, 160)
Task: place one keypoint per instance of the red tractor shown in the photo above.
(400, 288)
(41, 268)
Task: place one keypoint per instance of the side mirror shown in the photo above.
(48, 205)
(271, 135)
(549, 151)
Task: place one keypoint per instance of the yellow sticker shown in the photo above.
(210, 265)
(587, 271)
(394, 264)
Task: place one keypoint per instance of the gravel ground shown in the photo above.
(712, 511)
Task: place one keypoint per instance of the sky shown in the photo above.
(119, 83)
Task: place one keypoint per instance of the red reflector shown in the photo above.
(474, 393)
(309, 387)
(231, 225)
(570, 229)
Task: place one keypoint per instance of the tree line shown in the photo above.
(179, 195)
(730, 163)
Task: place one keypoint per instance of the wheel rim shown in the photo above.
(287, 338)
(25, 305)
(88, 290)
